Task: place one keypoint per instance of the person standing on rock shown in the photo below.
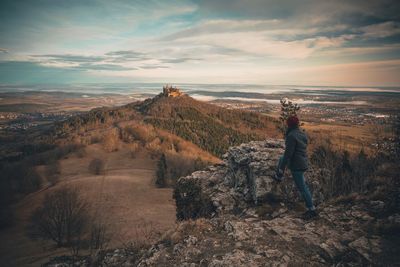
(295, 158)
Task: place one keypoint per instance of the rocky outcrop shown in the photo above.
(241, 182)
(250, 220)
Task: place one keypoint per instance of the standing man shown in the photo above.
(295, 158)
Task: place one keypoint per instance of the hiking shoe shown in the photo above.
(310, 214)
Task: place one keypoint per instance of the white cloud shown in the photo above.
(381, 30)
(356, 51)
(260, 43)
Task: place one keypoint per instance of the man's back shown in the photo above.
(296, 143)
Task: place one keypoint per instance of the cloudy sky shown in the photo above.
(302, 42)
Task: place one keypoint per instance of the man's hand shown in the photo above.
(278, 175)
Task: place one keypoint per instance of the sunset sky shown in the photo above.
(313, 42)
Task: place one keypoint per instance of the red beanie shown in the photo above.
(292, 121)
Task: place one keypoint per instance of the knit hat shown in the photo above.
(292, 121)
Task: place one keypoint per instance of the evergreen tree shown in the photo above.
(161, 179)
(288, 109)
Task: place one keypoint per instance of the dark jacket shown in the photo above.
(295, 156)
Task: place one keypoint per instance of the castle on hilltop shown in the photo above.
(170, 91)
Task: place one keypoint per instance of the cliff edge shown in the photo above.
(244, 218)
(234, 214)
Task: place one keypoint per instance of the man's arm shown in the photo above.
(289, 150)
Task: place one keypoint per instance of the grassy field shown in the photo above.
(125, 198)
(345, 137)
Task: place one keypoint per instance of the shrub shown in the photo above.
(111, 141)
(346, 174)
(172, 166)
(134, 148)
(161, 174)
(190, 201)
(140, 132)
(96, 166)
(81, 153)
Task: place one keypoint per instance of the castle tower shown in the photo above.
(170, 91)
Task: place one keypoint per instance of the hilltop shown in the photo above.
(182, 116)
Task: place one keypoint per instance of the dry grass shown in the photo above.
(123, 197)
(344, 137)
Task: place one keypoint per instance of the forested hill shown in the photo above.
(210, 127)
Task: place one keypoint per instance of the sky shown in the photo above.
(300, 42)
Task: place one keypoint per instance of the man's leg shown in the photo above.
(298, 177)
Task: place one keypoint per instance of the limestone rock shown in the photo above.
(243, 180)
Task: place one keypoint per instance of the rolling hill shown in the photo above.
(130, 140)
(212, 128)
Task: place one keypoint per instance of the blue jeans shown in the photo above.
(298, 177)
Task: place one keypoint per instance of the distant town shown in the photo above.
(315, 112)
(14, 121)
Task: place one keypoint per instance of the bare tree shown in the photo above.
(99, 235)
(61, 218)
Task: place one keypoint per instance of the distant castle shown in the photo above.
(170, 91)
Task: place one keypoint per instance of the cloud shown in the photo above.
(114, 61)
(381, 30)
(49, 25)
(179, 60)
(221, 26)
(126, 55)
(70, 58)
(259, 43)
(352, 52)
(154, 67)
(109, 67)
(268, 38)
(306, 11)
(3, 50)
(222, 40)
(80, 62)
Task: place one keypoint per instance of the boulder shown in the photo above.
(242, 181)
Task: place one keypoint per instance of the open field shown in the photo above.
(345, 137)
(125, 198)
(58, 101)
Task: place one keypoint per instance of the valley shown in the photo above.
(143, 148)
